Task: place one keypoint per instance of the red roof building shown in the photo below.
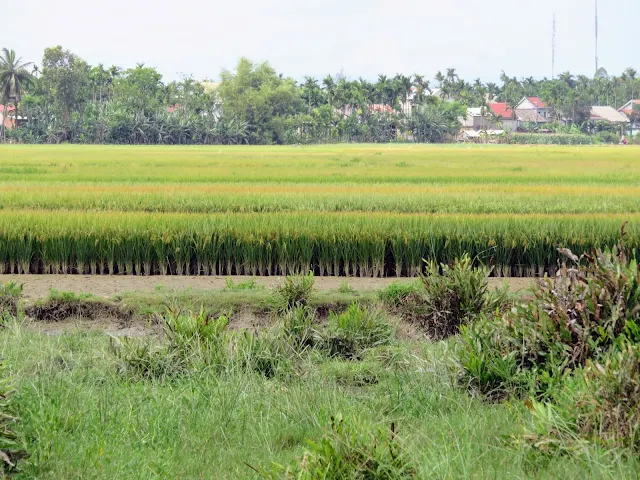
(537, 102)
(627, 108)
(501, 109)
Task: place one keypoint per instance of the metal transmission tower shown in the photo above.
(553, 49)
(596, 36)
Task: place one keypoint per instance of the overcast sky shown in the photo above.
(310, 37)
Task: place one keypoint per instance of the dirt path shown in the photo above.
(37, 286)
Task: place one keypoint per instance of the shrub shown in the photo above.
(350, 450)
(358, 329)
(580, 315)
(294, 291)
(553, 139)
(600, 403)
(607, 137)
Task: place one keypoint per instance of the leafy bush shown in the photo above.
(11, 448)
(607, 137)
(294, 291)
(600, 402)
(193, 340)
(350, 450)
(358, 329)
(580, 315)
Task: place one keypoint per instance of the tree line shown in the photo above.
(65, 99)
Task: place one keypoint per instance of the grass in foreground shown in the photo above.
(81, 419)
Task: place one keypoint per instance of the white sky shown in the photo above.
(306, 37)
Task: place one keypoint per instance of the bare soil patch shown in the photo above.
(37, 286)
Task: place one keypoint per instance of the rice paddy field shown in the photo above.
(370, 211)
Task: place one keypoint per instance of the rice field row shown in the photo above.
(294, 197)
(337, 210)
(368, 245)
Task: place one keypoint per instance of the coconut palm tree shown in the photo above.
(13, 77)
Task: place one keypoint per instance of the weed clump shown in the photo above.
(295, 291)
(249, 284)
(356, 330)
(10, 294)
(61, 305)
(581, 314)
(395, 294)
(447, 297)
(193, 341)
(350, 450)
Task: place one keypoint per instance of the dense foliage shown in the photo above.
(573, 347)
(68, 100)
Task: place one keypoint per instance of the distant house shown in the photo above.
(632, 110)
(476, 119)
(481, 136)
(508, 119)
(533, 109)
(7, 116)
(608, 114)
(497, 116)
(628, 107)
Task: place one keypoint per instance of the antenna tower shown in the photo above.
(596, 35)
(553, 49)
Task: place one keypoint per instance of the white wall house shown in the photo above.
(533, 109)
(628, 109)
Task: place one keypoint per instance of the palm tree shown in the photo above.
(13, 76)
(330, 88)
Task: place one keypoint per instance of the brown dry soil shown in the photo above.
(38, 286)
